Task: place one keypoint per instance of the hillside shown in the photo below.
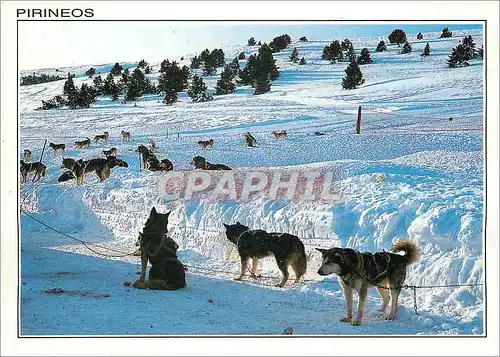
(433, 195)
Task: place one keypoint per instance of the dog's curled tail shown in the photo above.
(412, 253)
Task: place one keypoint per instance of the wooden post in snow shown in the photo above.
(358, 122)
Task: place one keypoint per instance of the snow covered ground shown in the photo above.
(433, 195)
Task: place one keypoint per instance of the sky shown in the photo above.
(45, 44)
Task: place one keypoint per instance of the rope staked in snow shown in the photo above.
(404, 286)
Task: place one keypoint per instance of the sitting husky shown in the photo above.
(126, 136)
(360, 271)
(286, 248)
(150, 161)
(167, 272)
(250, 140)
(206, 144)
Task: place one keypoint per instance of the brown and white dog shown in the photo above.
(57, 147)
(82, 144)
(104, 137)
(110, 152)
(280, 134)
(360, 271)
(37, 167)
(27, 155)
(126, 136)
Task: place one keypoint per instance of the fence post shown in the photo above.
(358, 122)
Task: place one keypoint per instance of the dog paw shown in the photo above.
(238, 279)
(389, 317)
(346, 319)
(356, 323)
(279, 285)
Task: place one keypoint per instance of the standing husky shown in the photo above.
(167, 272)
(360, 271)
(255, 244)
(36, 167)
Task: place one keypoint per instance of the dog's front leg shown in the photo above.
(144, 264)
(394, 304)
(255, 265)
(243, 268)
(363, 292)
(348, 304)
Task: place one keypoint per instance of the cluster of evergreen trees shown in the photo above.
(463, 53)
(77, 97)
(210, 60)
(260, 70)
(446, 33)
(38, 78)
(172, 80)
(339, 52)
(279, 43)
(294, 57)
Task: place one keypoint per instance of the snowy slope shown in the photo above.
(433, 194)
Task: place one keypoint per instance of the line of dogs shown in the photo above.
(356, 271)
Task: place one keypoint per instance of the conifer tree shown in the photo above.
(446, 33)
(219, 57)
(381, 47)
(294, 57)
(107, 84)
(261, 85)
(351, 54)
(71, 92)
(225, 84)
(427, 50)
(469, 47)
(86, 96)
(241, 56)
(125, 77)
(90, 72)
(198, 90)
(195, 62)
(251, 41)
(259, 43)
(234, 67)
(210, 65)
(170, 96)
(364, 57)
(303, 39)
(116, 70)
(333, 52)
(480, 52)
(142, 64)
(420, 36)
(137, 86)
(98, 83)
(457, 58)
(246, 74)
(397, 36)
(147, 70)
(406, 48)
(302, 61)
(353, 76)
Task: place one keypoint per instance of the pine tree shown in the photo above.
(480, 52)
(267, 63)
(241, 56)
(279, 43)
(303, 39)
(351, 54)
(259, 43)
(333, 52)
(247, 74)
(457, 58)
(142, 64)
(364, 57)
(346, 43)
(353, 76)
(302, 61)
(261, 85)
(116, 70)
(406, 48)
(86, 96)
(147, 70)
(420, 36)
(225, 84)
(137, 86)
(294, 57)
(234, 67)
(71, 92)
(115, 89)
(90, 72)
(98, 84)
(125, 77)
(381, 47)
(209, 68)
(446, 33)
(170, 97)
(469, 47)
(172, 77)
(397, 36)
(427, 50)
(219, 57)
(198, 90)
(195, 62)
(251, 41)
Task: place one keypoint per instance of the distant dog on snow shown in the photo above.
(82, 144)
(250, 140)
(200, 162)
(110, 152)
(104, 137)
(37, 167)
(280, 134)
(359, 271)
(206, 144)
(57, 147)
(126, 136)
(286, 248)
(27, 155)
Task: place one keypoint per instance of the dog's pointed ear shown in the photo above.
(153, 210)
(323, 251)
(238, 223)
(226, 225)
